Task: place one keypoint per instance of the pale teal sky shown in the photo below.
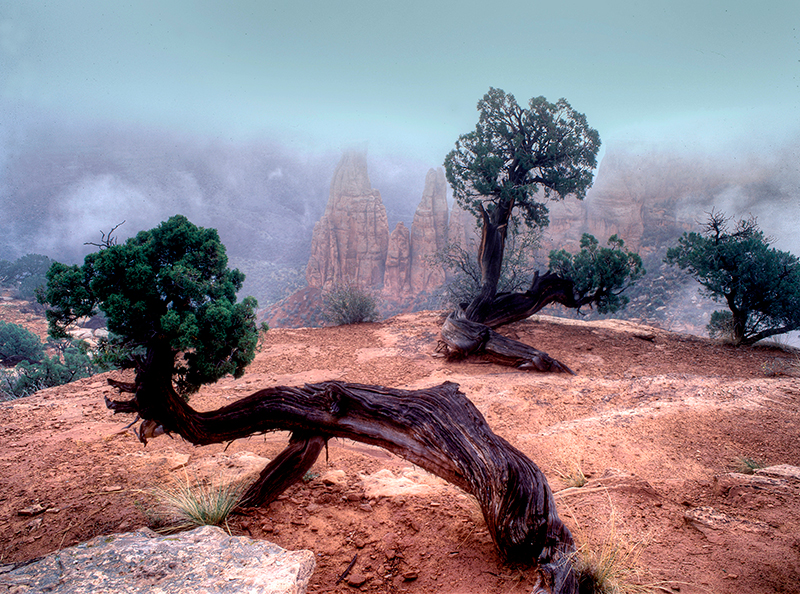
(400, 75)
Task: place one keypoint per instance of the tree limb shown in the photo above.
(438, 429)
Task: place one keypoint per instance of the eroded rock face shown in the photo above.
(397, 279)
(462, 230)
(204, 560)
(429, 233)
(350, 242)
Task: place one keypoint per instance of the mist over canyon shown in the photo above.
(62, 184)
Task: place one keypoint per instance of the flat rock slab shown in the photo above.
(205, 560)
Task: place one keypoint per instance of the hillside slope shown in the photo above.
(655, 420)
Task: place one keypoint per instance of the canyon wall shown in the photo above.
(643, 193)
(351, 240)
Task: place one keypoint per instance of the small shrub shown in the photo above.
(18, 344)
(186, 505)
(70, 363)
(720, 326)
(745, 465)
(347, 303)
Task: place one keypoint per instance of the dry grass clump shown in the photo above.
(745, 465)
(570, 466)
(607, 560)
(183, 505)
(611, 565)
(572, 475)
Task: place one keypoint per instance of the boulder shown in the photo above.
(204, 560)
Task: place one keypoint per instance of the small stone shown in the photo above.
(356, 580)
(365, 507)
(112, 489)
(334, 477)
(325, 498)
(410, 575)
(32, 510)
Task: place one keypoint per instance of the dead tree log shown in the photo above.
(438, 429)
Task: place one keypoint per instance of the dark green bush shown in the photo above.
(18, 344)
(347, 303)
(71, 362)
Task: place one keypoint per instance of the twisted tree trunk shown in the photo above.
(438, 429)
(469, 329)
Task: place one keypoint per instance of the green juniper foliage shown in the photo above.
(736, 265)
(604, 272)
(167, 291)
(18, 344)
(516, 152)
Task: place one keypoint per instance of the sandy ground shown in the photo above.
(656, 421)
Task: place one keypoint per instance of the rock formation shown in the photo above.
(205, 559)
(351, 240)
(397, 279)
(462, 230)
(429, 233)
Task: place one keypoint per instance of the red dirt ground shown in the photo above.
(655, 420)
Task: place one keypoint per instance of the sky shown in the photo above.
(400, 76)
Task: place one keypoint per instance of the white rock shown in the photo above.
(204, 560)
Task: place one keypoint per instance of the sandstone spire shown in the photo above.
(350, 241)
(397, 280)
(429, 233)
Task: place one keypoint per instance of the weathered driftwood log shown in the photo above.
(438, 429)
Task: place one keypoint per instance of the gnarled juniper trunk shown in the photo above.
(437, 428)
(469, 329)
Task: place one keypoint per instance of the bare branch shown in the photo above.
(106, 240)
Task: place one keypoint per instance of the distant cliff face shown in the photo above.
(351, 243)
(649, 197)
(351, 240)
